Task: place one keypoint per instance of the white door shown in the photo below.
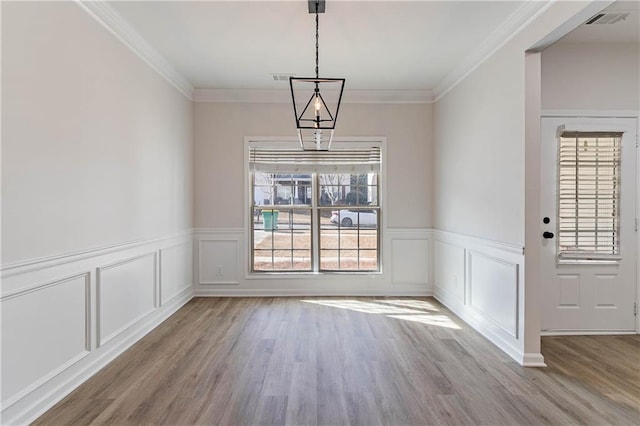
(588, 218)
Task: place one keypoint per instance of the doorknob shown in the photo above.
(547, 234)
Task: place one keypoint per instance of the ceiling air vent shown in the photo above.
(607, 18)
(281, 77)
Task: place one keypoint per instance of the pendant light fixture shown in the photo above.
(316, 101)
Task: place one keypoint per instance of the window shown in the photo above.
(315, 211)
(349, 241)
(589, 195)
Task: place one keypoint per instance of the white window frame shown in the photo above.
(293, 143)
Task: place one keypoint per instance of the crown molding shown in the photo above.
(515, 23)
(416, 96)
(284, 96)
(112, 21)
(276, 96)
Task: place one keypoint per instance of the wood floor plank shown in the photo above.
(350, 361)
(302, 403)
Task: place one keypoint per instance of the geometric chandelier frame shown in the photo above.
(316, 100)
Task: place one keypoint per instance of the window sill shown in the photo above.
(310, 274)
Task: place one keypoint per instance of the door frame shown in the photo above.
(608, 114)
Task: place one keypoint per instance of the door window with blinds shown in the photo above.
(589, 195)
(315, 211)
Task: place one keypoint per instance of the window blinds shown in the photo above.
(352, 160)
(589, 194)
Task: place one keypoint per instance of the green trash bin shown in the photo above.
(270, 219)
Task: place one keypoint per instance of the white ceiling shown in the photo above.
(381, 45)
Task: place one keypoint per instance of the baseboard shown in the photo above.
(585, 333)
(482, 282)
(33, 405)
(533, 360)
(236, 292)
(481, 327)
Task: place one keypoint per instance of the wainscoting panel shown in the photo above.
(222, 269)
(449, 270)
(410, 260)
(66, 317)
(126, 293)
(175, 271)
(39, 338)
(493, 290)
(218, 261)
(481, 281)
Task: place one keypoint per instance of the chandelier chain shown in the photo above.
(317, 30)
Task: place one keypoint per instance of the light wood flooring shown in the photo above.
(350, 361)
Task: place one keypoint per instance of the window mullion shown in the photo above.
(315, 224)
(252, 210)
(577, 189)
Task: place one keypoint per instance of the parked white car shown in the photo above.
(354, 217)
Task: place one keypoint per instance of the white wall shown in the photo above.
(96, 202)
(479, 155)
(480, 172)
(220, 129)
(590, 76)
(96, 147)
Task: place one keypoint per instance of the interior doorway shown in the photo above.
(588, 203)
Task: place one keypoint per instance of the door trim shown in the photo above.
(549, 113)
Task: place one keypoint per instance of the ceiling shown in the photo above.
(625, 31)
(378, 45)
(383, 45)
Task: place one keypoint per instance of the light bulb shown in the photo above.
(317, 106)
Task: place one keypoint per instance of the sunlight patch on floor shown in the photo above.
(439, 320)
(416, 304)
(408, 310)
(365, 307)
